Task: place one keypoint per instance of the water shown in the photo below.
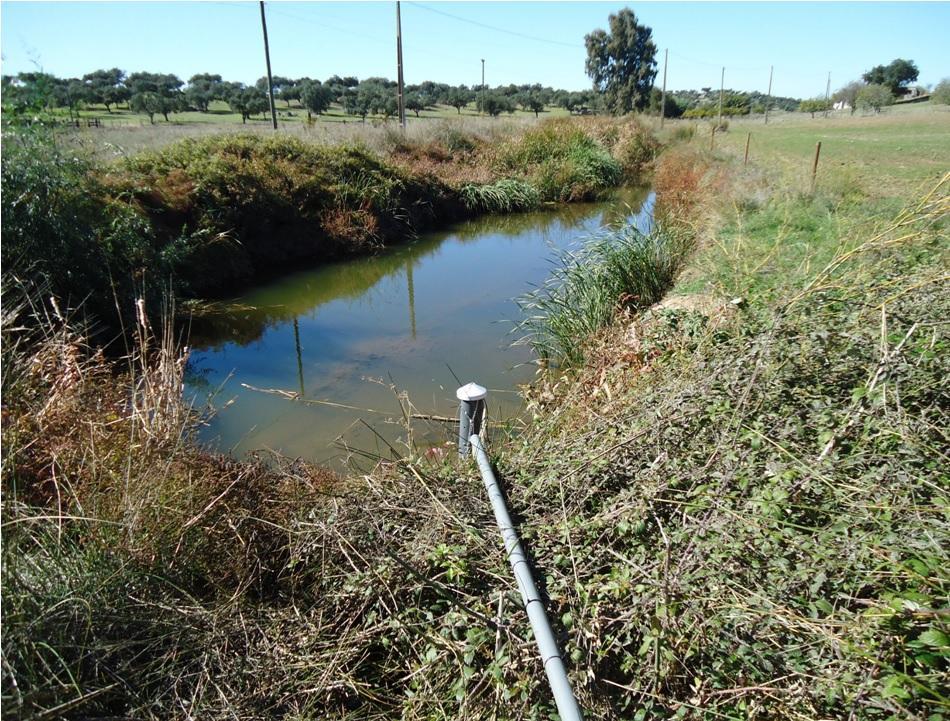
(350, 332)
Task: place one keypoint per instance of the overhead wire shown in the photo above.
(515, 33)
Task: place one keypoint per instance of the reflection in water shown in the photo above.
(351, 319)
(412, 297)
(299, 356)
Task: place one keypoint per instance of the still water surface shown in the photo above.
(409, 317)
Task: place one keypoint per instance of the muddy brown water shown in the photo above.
(358, 341)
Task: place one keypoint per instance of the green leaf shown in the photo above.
(935, 638)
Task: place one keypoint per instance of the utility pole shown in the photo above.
(483, 85)
(666, 57)
(722, 84)
(768, 95)
(827, 93)
(270, 82)
(400, 95)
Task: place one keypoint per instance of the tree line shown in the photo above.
(161, 94)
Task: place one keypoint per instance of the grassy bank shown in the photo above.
(735, 510)
(211, 214)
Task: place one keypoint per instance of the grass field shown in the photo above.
(886, 154)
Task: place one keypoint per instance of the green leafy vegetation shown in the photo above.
(941, 92)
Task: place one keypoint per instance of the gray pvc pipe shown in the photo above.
(471, 411)
(567, 707)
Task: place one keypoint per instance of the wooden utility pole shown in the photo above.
(666, 57)
(270, 82)
(722, 84)
(483, 85)
(768, 95)
(400, 93)
(828, 94)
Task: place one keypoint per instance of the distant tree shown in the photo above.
(532, 102)
(147, 102)
(874, 96)
(202, 89)
(355, 103)
(102, 86)
(849, 94)
(896, 76)
(288, 90)
(415, 103)
(494, 104)
(163, 93)
(248, 101)
(71, 93)
(622, 63)
(814, 105)
(459, 97)
(315, 97)
(941, 92)
(672, 108)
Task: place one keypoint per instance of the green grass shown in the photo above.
(893, 153)
(618, 272)
(503, 196)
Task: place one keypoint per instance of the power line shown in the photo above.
(497, 29)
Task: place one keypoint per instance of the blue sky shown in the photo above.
(444, 41)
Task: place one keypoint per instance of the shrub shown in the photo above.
(941, 93)
(874, 97)
(563, 161)
(65, 231)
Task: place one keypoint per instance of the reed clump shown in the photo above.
(504, 196)
(618, 271)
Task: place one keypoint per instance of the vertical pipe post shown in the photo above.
(666, 57)
(400, 96)
(768, 95)
(747, 140)
(270, 82)
(814, 167)
(471, 411)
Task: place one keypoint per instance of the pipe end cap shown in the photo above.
(471, 392)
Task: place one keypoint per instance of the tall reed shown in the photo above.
(619, 269)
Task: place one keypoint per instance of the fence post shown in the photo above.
(747, 139)
(712, 136)
(471, 412)
(814, 167)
